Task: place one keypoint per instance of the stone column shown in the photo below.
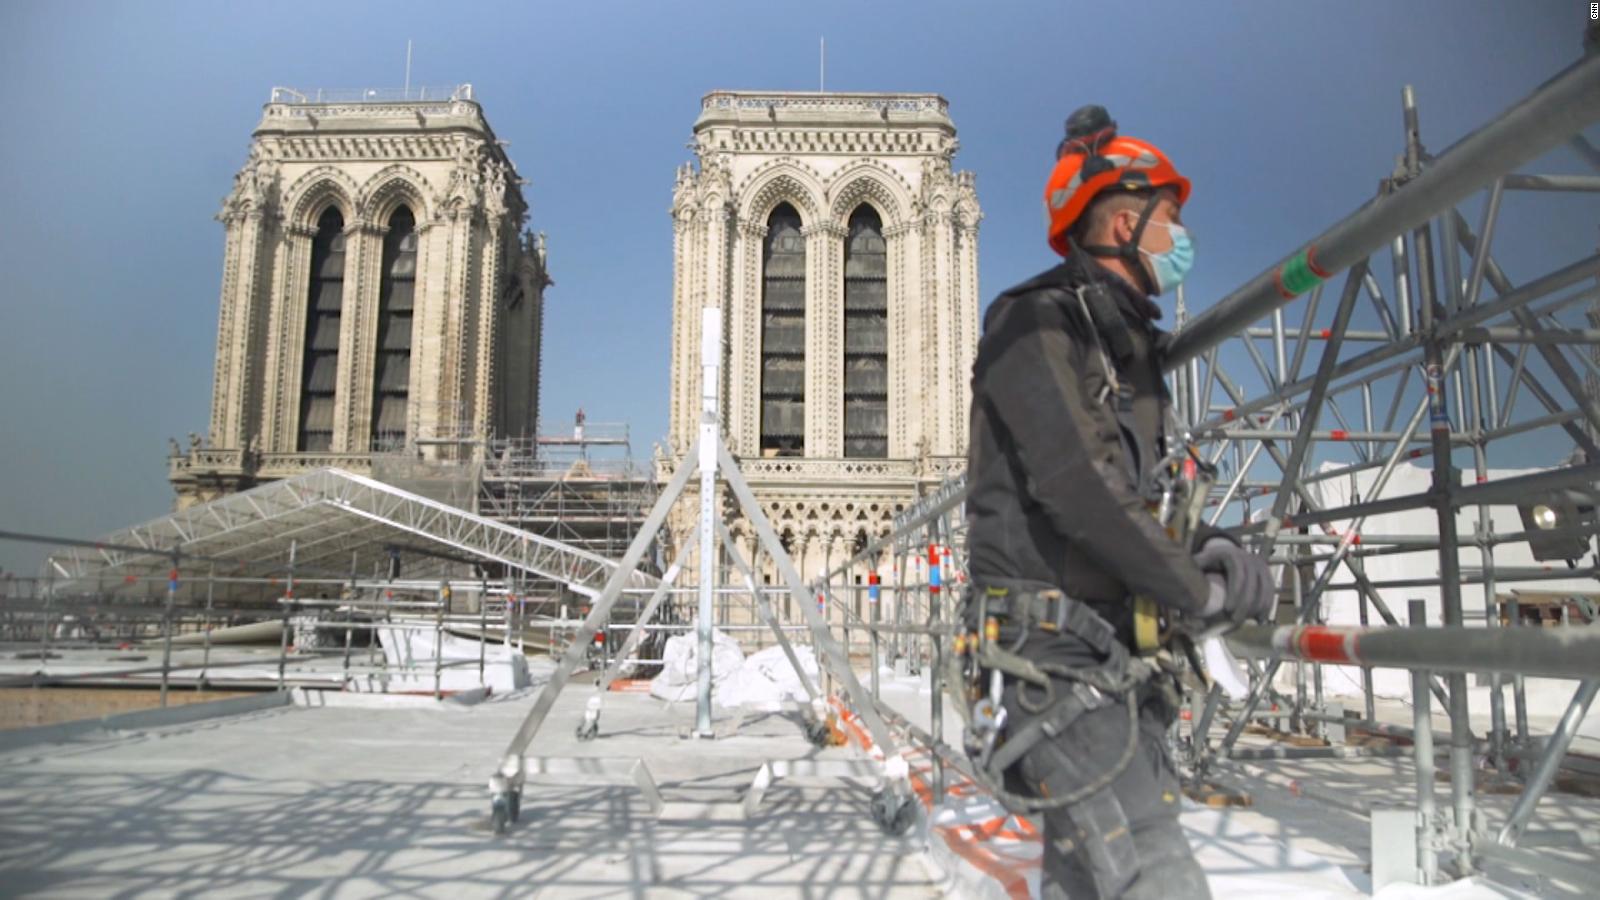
(358, 325)
(744, 394)
(677, 430)
(965, 328)
(235, 409)
(286, 332)
(902, 355)
(426, 302)
(941, 314)
(453, 321)
(688, 349)
(824, 341)
(491, 254)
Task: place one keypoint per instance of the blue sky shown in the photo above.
(126, 121)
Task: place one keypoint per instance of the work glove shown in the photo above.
(1241, 585)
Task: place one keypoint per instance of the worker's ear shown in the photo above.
(1122, 225)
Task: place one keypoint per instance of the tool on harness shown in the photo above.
(988, 745)
(1180, 486)
(987, 722)
(1177, 487)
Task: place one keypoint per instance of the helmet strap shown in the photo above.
(1129, 252)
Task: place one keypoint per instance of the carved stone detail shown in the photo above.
(826, 155)
(367, 157)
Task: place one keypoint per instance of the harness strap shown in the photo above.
(1049, 609)
(1067, 710)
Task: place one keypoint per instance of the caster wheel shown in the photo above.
(514, 805)
(817, 733)
(500, 814)
(588, 731)
(894, 814)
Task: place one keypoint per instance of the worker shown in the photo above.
(1069, 421)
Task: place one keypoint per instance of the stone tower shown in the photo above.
(379, 292)
(843, 250)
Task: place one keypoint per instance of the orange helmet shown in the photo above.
(1093, 158)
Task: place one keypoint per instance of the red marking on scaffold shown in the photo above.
(1416, 453)
(1327, 333)
(1340, 435)
(129, 579)
(1311, 263)
(1227, 415)
(1482, 478)
(1319, 644)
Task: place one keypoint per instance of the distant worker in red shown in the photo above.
(1071, 428)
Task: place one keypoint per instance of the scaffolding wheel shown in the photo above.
(500, 813)
(589, 728)
(817, 732)
(895, 814)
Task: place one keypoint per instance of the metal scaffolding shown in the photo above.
(1284, 394)
(582, 489)
(1444, 376)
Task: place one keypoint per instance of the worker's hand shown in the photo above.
(1241, 585)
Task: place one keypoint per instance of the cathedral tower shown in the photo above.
(378, 290)
(842, 248)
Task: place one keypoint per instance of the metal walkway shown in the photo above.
(325, 523)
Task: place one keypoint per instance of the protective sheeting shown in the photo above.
(767, 680)
(680, 665)
(763, 681)
(414, 654)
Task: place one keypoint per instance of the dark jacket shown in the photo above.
(1053, 477)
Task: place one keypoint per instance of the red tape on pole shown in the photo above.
(1321, 644)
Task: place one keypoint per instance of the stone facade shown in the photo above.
(462, 351)
(826, 156)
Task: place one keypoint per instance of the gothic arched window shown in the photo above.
(783, 336)
(866, 337)
(324, 298)
(392, 366)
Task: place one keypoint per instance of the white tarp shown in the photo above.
(409, 652)
(767, 679)
(763, 681)
(680, 665)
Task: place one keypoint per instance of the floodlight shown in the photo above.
(1559, 525)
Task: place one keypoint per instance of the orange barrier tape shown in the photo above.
(968, 839)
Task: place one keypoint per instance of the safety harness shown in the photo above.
(1001, 617)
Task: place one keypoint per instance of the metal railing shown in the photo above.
(313, 96)
(735, 100)
(40, 618)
